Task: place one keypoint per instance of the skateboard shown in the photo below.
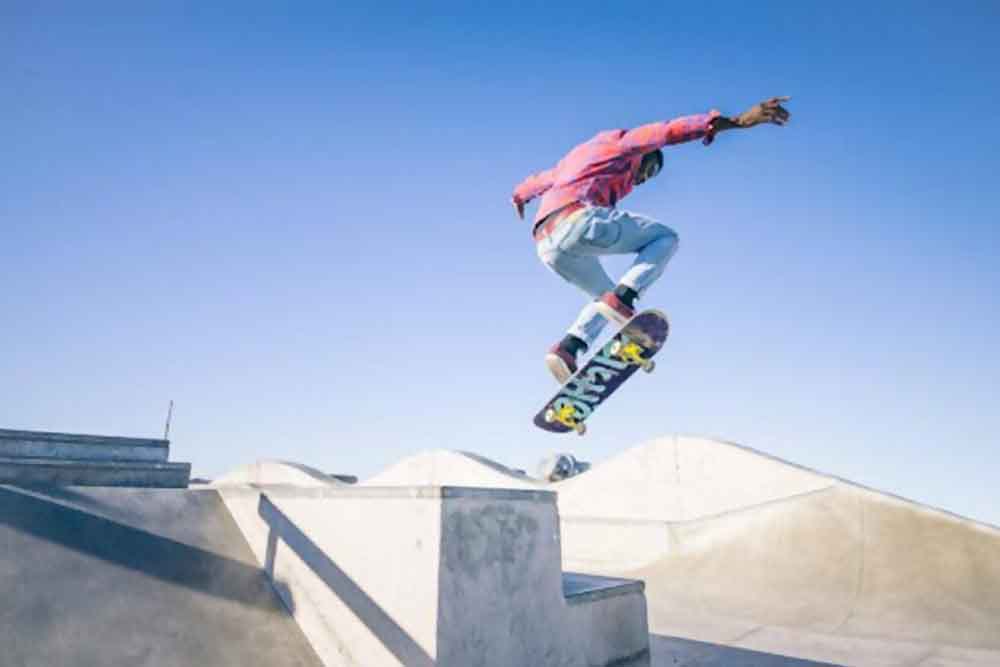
(628, 350)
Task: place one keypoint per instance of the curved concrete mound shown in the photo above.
(277, 473)
(740, 549)
(456, 468)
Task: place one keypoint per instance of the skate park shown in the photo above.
(294, 296)
(677, 551)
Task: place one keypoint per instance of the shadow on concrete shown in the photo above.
(143, 552)
(679, 652)
(392, 636)
(123, 590)
(73, 495)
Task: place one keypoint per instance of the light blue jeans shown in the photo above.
(574, 247)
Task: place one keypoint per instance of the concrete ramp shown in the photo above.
(100, 577)
(742, 550)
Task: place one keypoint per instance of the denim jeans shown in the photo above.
(574, 247)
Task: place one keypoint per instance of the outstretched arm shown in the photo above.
(704, 126)
(768, 111)
(531, 187)
(647, 138)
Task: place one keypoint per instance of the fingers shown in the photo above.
(518, 208)
(774, 112)
(768, 111)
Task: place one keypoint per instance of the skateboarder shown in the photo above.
(577, 221)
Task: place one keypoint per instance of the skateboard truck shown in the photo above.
(566, 416)
(631, 353)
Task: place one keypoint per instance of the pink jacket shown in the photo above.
(600, 171)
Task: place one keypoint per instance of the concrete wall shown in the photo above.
(43, 444)
(34, 458)
(357, 571)
(55, 472)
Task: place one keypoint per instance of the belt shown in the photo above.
(552, 220)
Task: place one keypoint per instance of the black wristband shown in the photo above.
(724, 123)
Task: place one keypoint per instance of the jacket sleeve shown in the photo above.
(646, 138)
(534, 186)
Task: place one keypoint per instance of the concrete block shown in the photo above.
(436, 576)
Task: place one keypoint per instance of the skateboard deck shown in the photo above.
(628, 350)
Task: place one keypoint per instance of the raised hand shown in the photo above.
(768, 111)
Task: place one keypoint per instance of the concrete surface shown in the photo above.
(743, 550)
(276, 473)
(33, 458)
(456, 468)
(678, 652)
(751, 560)
(745, 559)
(436, 576)
(69, 472)
(135, 578)
(43, 444)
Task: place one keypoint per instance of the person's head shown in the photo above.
(650, 166)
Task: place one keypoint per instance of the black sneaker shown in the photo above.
(561, 358)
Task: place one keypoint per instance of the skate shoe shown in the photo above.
(614, 309)
(561, 358)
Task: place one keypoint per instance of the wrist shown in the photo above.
(720, 123)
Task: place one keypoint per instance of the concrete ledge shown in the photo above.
(42, 444)
(585, 587)
(49, 472)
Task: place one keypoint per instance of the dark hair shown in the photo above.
(656, 156)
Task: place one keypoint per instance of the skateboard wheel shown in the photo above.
(649, 366)
(581, 428)
(615, 348)
(550, 415)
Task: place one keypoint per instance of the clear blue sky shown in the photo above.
(294, 222)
